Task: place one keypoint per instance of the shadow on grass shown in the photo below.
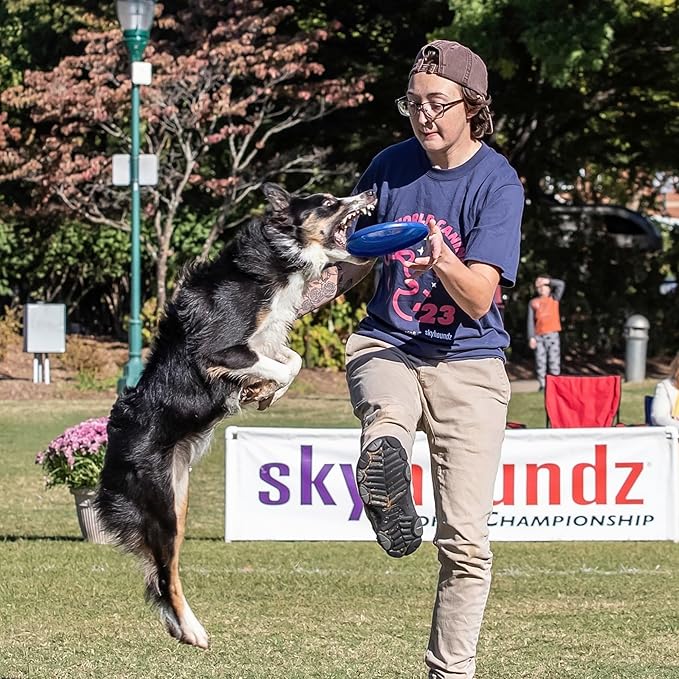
(35, 538)
(75, 538)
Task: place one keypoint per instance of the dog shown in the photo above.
(222, 342)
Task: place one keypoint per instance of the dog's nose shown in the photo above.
(371, 193)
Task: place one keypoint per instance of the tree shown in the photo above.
(227, 85)
(585, 101)
(381, 39)
(582, 90)
(36, 33)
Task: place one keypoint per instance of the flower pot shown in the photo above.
(90, 526)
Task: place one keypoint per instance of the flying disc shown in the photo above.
(382, 239)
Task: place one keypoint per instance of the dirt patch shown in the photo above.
(571, 364)
(16, 374)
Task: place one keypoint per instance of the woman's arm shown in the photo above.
(661, 410)
(472, 285)
(334, 281)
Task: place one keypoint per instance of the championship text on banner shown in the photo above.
(553, 484)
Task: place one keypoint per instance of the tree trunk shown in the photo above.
(161, 278)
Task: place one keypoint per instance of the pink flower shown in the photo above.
(86, 438)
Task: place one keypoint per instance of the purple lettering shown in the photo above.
(283, 491)
(350, 480)
(317, 482)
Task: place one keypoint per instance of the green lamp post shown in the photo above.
(136, 17)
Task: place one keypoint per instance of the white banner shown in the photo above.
(617, 483)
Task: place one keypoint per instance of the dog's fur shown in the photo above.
(222, 341)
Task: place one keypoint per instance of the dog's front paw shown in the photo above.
(279, 393)
(292, 359)
(266, 397)
(258, 392)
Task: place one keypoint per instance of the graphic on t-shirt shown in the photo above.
(411, 299)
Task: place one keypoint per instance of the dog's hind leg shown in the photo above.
(142, 501)
(175, 611)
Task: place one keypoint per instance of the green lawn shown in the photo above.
(318, 610)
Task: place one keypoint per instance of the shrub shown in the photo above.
(85, 358)
(320, 337)
(10, 329)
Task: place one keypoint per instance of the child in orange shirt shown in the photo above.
(544, 326)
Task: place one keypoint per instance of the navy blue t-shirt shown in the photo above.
(478, 207)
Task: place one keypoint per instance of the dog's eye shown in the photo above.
(328, 203)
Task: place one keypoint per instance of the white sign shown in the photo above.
(148, 169)
(619, 483)
(45, 328)
(141, 72)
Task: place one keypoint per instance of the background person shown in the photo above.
(430, 353)
(665, 408)
(544, 326)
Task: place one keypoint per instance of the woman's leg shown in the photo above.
(465, 416)
(387, 399)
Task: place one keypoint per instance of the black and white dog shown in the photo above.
(222, 342)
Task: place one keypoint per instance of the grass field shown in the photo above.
(320, 610)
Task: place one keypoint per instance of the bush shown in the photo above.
(320, 337)
(150, 317)
(84, 357)
(10, 329)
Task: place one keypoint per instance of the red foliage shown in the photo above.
(225, 83)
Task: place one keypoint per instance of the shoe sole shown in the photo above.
(383, 479)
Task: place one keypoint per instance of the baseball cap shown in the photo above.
(455, 62)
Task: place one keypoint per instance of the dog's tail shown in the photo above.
(142, 502)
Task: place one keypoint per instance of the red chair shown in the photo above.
(579, 401)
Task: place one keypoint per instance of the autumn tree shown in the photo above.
(227, 88)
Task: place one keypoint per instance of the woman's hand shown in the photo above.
(435, 250)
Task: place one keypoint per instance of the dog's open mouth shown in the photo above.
(340, 235)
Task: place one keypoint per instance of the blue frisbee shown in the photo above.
(382, 239)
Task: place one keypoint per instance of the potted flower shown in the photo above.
(75, 459)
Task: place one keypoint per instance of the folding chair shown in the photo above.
(582, 401)
(648, 407)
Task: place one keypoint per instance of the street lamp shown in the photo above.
(136, 17)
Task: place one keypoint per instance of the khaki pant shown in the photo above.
(462, 408)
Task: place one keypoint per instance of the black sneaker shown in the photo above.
(383, 478)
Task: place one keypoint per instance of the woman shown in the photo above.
(430, 353)
(665, 409)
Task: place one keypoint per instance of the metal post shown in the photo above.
(134, 364)
(135, 19)
(636, 342)
(134, 367)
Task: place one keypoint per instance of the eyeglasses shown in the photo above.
(431, 110)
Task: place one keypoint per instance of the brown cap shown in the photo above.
(453, 61)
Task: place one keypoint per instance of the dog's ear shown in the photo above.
(277, 196)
